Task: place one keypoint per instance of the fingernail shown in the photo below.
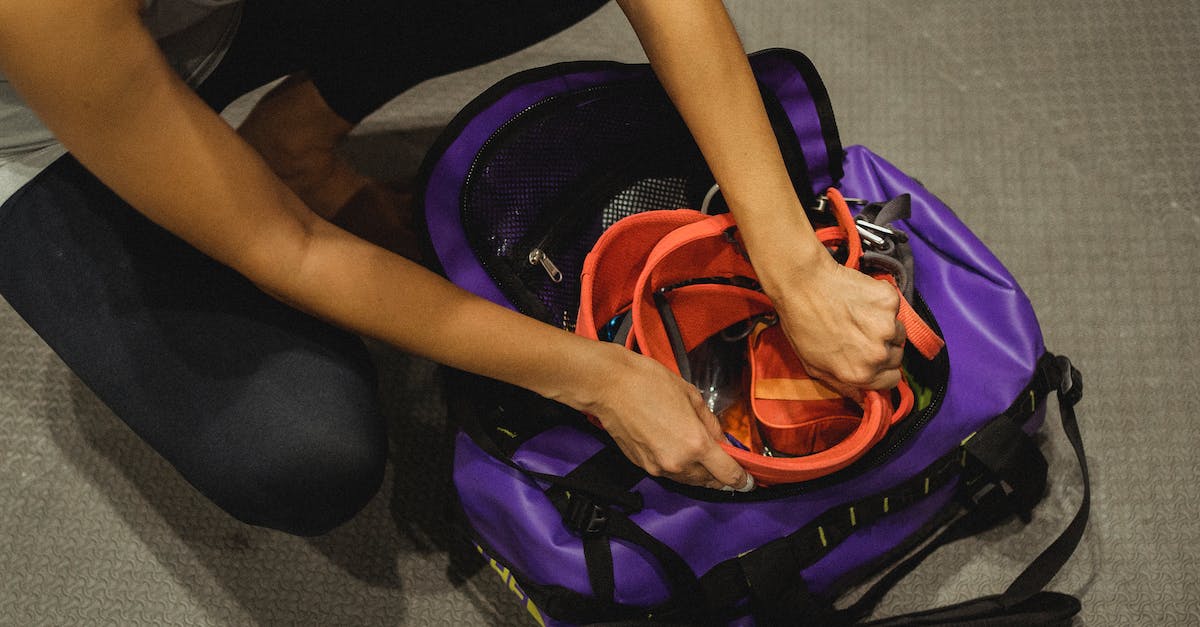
(748, 485)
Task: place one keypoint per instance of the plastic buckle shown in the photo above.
(1070, 381)
(994, 499)
(582, 515)
(1004, 471)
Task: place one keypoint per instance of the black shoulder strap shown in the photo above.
(1025, 602)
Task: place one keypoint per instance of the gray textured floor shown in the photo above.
(1065, 135)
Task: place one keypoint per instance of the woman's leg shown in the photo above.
(349, 59)
(267, 411)
(370, 55)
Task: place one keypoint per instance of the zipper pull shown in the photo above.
(537, 256)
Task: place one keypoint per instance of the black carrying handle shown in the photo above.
(1025, 602)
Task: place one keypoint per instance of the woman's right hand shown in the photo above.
(843, 325)
(661, 422)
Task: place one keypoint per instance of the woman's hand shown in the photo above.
(842, 323)
(843, 326)
(661, 423)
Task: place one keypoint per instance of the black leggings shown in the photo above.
(267, 411)
(362, 53)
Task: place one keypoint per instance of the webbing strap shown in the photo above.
(598, 522)
(1015, 466)
(736, 578)
(920, 335)
(1024, 602)
(589, 517)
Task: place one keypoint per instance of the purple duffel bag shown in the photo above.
(517, 190)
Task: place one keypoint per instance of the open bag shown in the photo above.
(551, 193)
(678, 287)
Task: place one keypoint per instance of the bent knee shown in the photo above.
(306, 483)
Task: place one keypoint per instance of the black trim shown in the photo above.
(820, 97)
(502, 417)
(789, 147)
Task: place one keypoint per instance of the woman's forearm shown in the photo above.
(114, 102)
(699, 59)
(841, 322)
(382, 295)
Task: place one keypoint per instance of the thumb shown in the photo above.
(719, 464)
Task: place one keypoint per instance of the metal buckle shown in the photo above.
(823, 203)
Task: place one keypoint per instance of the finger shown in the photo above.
(845, 389)
(726, 470)
(899, 334)
(697, 475)
(886, 380)
(895, 356)
(742, 483)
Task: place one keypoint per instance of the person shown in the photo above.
(197, 280)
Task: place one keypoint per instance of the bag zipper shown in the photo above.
(536, 256)
(577, 217)
(540, 253)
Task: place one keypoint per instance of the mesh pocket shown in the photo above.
(557, 175)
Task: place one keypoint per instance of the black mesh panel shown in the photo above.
(560, 173)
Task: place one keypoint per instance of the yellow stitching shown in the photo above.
(853, 519)
(1032, 401)
(821, 530)
(966, 439)
(926, 485)
(885, 504)
(963, 460)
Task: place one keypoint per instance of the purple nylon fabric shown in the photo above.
(515, 521)
(994, 342)
(990, 329)
(443, 191)
(989, 325)
(556, 451)
(793, 93)
(982, 313)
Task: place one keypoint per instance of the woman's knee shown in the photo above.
(306, 480)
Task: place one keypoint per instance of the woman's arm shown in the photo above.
(98, 81)
(842, 323)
